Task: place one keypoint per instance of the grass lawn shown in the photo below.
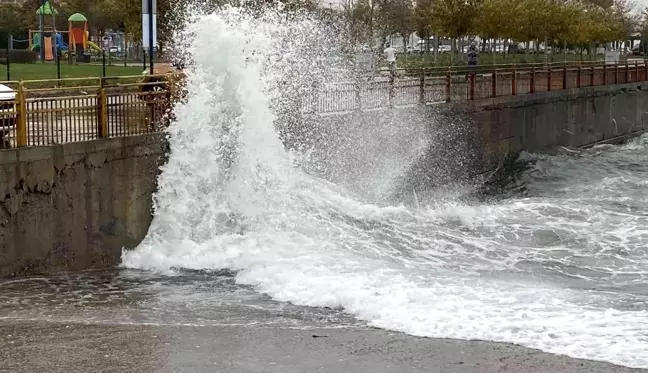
(39, 70)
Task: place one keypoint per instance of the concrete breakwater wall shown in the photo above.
(74, 206)
(572, 118)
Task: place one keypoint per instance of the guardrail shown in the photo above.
(444, 85)
(46, 112)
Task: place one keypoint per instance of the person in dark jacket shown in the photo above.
(473, 55)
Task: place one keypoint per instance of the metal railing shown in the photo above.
(444, 85)
(46, 112)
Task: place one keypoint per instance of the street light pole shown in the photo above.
(148, 29)
(150, 17)
(42, 32)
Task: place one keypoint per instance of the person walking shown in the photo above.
(390, 56)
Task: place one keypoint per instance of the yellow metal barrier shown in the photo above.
(21, 116)
(46, 112)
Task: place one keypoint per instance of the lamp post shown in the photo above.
(41, 18)
(8, 50)
(149, 18)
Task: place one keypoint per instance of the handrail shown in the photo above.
(458, 68)
(110, 109)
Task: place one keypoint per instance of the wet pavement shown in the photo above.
(45, 346)
(132, 321)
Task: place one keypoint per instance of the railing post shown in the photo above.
(532, 81)
(636, 71)
(102, 110)
(549, 79)
(358, 96)
(627, 71)
(514, 82)
(616, 73)
(494, 84)
(593, 76)
(564, 80)
(21, 116)
(422, 88)
(579, 73)
(448, 84)
(473, 80)
(605, 74)
(392, 79)
(645, 70)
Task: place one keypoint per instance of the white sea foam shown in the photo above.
(525, 271)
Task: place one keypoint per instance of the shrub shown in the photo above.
(18, 56)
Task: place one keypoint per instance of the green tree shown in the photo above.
(455, 18)
(423, 21)
(363, 14)
(397, 17)
(10, 19)
(625, 19)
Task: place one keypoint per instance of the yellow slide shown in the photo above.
(95, 46)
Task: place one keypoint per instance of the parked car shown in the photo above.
(7, 115)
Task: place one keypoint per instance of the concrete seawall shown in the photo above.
(74, 206)
(572, 118)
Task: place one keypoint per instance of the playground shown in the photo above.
(73, 44)
(68, 53)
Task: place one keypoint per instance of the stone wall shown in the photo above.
(572, 118)
(74, 206)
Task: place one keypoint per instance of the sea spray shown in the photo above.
(533, 271)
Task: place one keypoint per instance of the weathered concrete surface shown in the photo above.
(74, 206)
(69, 347)
(573, 118)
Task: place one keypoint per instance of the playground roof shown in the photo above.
(46, 9)
(77, 17)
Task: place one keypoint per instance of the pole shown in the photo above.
(148, 27)
(42, 33)
(150, 35)
(8, 59)
(57, 56)
(103, 62)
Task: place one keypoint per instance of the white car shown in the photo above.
(7, 115)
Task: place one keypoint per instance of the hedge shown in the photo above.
(18, 56)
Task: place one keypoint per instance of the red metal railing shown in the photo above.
(438, 85)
